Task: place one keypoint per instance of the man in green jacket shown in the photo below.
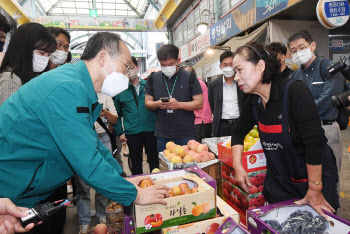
(47, 130)
(138, 122)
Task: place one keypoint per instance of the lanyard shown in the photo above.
(172, 91)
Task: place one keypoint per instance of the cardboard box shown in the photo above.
(281, 212)
(180, 209)
(242, 214)
(242, 199)
(167, 165)
(205, 225)
(230, 227)
(252, 160)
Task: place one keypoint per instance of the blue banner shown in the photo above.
(222, 30)
(267, 8)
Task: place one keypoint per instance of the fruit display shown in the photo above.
(192, 152)
(114, 217)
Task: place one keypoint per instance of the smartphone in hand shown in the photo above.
(164, 99)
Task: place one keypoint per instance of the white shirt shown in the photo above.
(108, 104)
(138, 87)
(230, 109)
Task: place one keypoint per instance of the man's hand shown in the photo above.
(317, 201)
(154, 194)
(136, 180)
(162, 105)
(242, 179)
(9, 214)
(122, 138)
(103, 112)
(173, 104)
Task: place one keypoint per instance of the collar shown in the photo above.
(313, 64)
(224, 81)
(86, 79)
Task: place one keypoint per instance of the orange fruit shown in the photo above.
(146, 183)
(197, 210)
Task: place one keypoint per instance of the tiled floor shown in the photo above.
(72, 224)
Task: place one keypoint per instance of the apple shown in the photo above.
(176, 159)
(261, 188)
(212, 228)
(172, 148)
(179, 151)
(253, 181)
(170, 143)
(245, 203)
(194, 190)
(253, 202)
(260, 178)
(186, 191)
(170, 156)
(253, 189)
(166, 152)
(187, 159)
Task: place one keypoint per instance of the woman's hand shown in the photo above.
(242, 179)
(317, 201)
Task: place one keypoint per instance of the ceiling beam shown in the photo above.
(134, 38)
(132, 8)
(154, 5)
(54, 6)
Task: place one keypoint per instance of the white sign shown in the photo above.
(337, 44)
(332, 13)
(342, 57)
(198, 45)
(183, 53)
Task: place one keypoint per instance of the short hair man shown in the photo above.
(280, 51)
(203, 117)
(47, 130)
(181, 94)
(4, 29)
(313, 72)
(225, 98)
(137, 127)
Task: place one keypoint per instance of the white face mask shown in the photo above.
(114, 83)
(302, 56)
(58, 57)
(39, 62)
(228, 72)
(132, 74)
(169, 71)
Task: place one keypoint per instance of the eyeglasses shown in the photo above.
(128, 66)
(300, 47)
(62, 46)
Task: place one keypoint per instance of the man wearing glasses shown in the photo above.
(59, 57)
(137, 128)
(313, 72)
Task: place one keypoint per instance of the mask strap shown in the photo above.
(110, 63)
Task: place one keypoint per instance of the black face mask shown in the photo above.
(1, 46)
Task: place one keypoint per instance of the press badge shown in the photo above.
(169, 111)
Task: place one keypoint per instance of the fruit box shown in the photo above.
(172, 166)
(256, 178)
(252, 160)
(242, 199)
(281, 212)
(179, 209)
(209, 225)
(230, 227)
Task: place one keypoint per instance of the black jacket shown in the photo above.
(215, 94)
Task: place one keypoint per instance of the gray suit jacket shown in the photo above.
(215, 94)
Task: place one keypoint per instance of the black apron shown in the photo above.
(287, 176)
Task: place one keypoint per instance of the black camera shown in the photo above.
(342, 99)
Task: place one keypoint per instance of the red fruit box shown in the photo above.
(242, 199)
(251, 160)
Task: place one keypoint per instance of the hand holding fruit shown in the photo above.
(154, 194)
(137, 180)
(242, 179)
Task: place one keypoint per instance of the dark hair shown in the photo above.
(168, 51)
(133, 59)
(69, 57)
(101, 41)
(19, 55)
(226, 54)
(301, 34)
(4, 25)
(191, 69)
(254, 52)
(56, 31)
(276, 47)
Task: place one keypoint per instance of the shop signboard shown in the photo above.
(96, 24)
(332, 13)
(267, 8)
(239, 19)
(198, 45)
(183, 53)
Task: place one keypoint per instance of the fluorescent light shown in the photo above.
(202, 27)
